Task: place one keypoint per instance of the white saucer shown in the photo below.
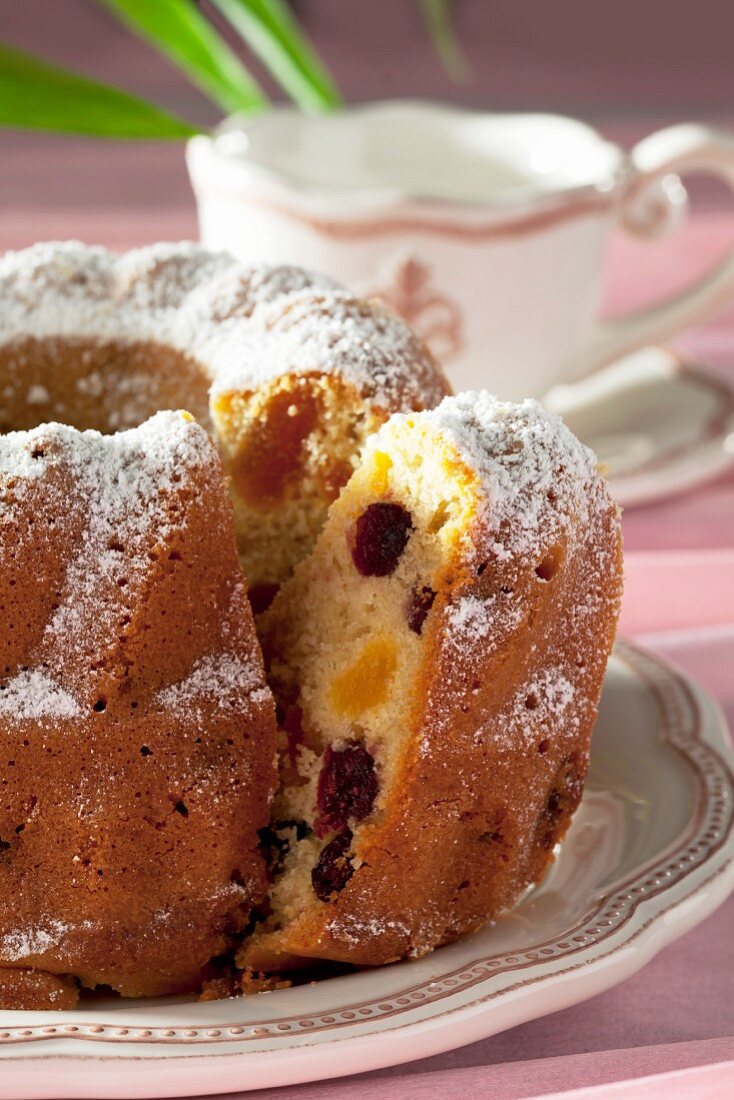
(650, 854)
(661, 424)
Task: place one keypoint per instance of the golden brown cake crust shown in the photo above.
(34, 989)
(136, 729)
(244, 326)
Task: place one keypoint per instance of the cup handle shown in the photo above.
(653, 202)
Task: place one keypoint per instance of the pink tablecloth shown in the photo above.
(669, 1028)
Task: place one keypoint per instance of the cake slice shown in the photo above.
(438, 661)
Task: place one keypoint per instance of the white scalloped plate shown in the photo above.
(660, 423)
(650, 854)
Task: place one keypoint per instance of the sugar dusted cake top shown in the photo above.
(244, 325)
(127, 498)
(532, 471)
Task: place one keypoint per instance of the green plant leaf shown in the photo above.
(437, 14)
(179, 30)
(273, 34)
(37, 96)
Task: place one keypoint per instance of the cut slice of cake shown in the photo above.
(438, 661)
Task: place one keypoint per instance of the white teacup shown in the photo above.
(485, 231)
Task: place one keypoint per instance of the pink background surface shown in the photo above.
(629, 67)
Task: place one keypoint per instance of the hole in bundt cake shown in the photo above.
(531, 701)
(543, 746)
(380, 537)
(347, 787)
(100, 706)
(86, 384)
(181, 808)
(333, 868)
(145, 751)
(4, 846)
(277, 840)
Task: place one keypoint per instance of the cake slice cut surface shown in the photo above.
(437, 661)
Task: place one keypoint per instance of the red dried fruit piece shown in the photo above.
(421, 603)
(333, 868)
(381, 535)
(347, 787)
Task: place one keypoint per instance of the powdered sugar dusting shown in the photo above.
(471, 617)
(475, 624)
(358, 930)
(33, 941)
(538, 480)
(222, 677)
(245, 326)
(555, 691)
(335, 333)
(121, 491)
(33, 694)
(547, 703)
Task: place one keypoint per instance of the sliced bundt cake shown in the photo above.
(136, 730)
(438, 661)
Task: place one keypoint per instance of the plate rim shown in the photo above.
(705, 748)
(701, 460)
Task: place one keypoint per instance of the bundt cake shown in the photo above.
(287, 371)
(137, 731)
(438, 661)
(436, 645)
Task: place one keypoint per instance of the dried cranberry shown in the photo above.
(421, 602)
(261, 596)
(347, 786)
(333, 868)
(381, 535)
